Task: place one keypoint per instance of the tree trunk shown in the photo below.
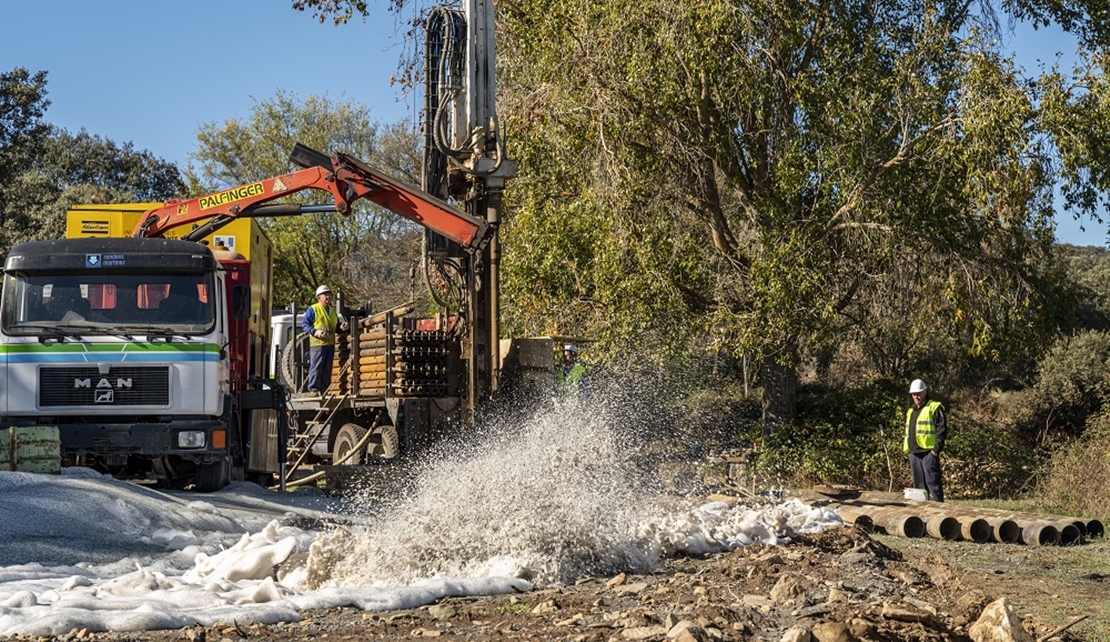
(780, 394)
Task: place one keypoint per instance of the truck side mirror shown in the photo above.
(241, 302)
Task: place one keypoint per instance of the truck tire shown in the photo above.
(345, 440)
(385, 444)
(214, 476)
(288, 363)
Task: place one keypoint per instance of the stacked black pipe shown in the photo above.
(419, 364)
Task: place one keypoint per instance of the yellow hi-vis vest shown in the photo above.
(926, 429)
(568, 383)
(326, 320)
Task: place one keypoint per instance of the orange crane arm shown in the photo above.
(347, 179)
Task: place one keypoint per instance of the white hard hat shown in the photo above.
(570, 347)
(917, 386)
(323, 289)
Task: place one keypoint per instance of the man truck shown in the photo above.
(151, 354)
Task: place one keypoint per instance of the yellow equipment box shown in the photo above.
(116, 220)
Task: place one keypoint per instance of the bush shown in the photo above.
(982, 460)
(856, 437)
(719, 417)
(839, 436)
(1072, 483)
(1073, 382)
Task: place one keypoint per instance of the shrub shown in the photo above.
(839, 436)
(1074, 380)
(856, 437)
(1073, 481)
(982, 459)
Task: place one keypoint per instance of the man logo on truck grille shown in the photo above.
(105, 391)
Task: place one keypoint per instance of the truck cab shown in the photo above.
(121, 344)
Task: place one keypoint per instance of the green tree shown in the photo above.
(1075, 111)
(22, 136)
(762, 164)
(70, 160)
(44, 170)
(1089, 20)
(1088, 270)
(835, 158)
(368, 254)
(22, 130)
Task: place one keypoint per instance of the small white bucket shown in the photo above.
(916, 494)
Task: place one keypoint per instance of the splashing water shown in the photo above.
(553, 499)
(546, 500)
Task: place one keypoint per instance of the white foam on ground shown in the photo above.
(556, 498)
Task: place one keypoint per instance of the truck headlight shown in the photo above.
(190, 439)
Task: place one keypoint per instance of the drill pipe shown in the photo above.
(976, 525)
(380, 317)
(1040, 534)
(1004, 531)
(852, 516)
(944, 527)
(1030, 528)
(972, 526)
(1069, 530)
(1082, 525)
(890, 521)
(1069, 533)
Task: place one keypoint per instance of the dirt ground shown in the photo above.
(841, 585)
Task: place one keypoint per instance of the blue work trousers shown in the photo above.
(319, 367)
(925, 468)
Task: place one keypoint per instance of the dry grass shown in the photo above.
(1075, 479)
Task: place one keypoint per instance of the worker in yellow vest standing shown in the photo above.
(926, 429)
(569, 378)
(320, 322)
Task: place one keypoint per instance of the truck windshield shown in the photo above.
(40, 304)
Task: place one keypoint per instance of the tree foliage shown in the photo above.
(1075, 109)
(340, 11)
(767, 167)
(44, 170)
(862, 190)
(368, 254)
(22, 136)
(1088, 272)
(1089, 20)
(22, 130)
(70, 160)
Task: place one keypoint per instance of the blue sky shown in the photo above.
(152, 72)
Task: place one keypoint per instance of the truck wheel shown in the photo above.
(214, 476)
(345, 440)
(384, 443)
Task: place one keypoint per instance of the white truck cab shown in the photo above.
(122, 344)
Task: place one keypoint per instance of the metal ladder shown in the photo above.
(301, 445)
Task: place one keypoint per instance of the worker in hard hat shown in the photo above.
(320, 322)
(569, 378)
(925, 432)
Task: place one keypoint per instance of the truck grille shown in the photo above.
(85, 386)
